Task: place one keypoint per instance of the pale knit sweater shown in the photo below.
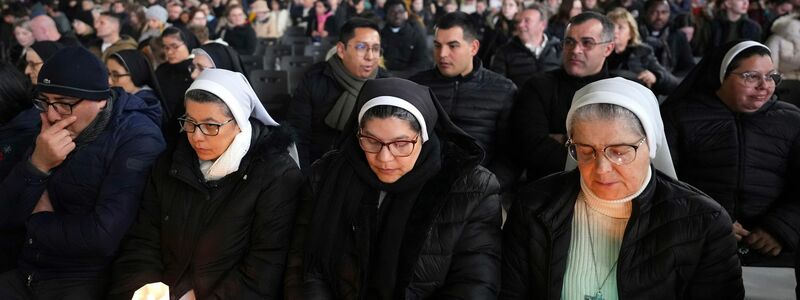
(607, 220)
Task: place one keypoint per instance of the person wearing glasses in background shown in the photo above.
(79, 191)
(734, 140)
(218, 211)
(173, 75)
(322, 102)
(540, 111)
(621, 226)
(131, 71)
(401, 209)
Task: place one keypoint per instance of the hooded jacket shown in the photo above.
(785, 46)
(95, 194)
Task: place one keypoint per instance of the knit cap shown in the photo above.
(74, 72)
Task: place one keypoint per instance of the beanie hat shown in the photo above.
(74, 72)
(157, 12)
(46, 49)
(86, 17)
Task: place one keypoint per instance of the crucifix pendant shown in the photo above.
(597, 296)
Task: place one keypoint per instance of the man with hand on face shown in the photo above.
(540, 112)
(79, 191)
(476, 99)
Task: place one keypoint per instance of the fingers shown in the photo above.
(60, 124)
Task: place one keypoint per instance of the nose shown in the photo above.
(384, 154)
(602, 164)
(52, 115)
(197, 135)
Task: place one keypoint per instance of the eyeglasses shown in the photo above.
(621, 154)
(401, 148)
(199, 68)
(207, 128)
(173, 47)
(362, 48)
(62, 108)
(116, 76)
(586, 43)
(754, 79)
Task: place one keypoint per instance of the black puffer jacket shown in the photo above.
(225, 239)
(748, 162)
(638, 58)
(480, 104)
(518, 63)
(453, 235)
(678, 243)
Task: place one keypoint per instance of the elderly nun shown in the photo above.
(218, 211)
(621, 226)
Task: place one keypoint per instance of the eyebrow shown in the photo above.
(398, 138)
(209, 119)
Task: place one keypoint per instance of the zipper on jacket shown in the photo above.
(29, 280)
(455, 97)
(740, 169)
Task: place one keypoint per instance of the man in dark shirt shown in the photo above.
(405, 49)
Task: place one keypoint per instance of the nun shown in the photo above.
(217, 215)
(620, 226)
(401, 209)
(131, 71)
(215, 56)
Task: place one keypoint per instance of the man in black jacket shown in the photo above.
(531, 51)
(670, 47)
(540, 112)
(405, 49)
(477, 99)
(325, 97)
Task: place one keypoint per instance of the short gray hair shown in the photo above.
(607, 112)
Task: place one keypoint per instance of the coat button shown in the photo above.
(166, 218)
(30, 241)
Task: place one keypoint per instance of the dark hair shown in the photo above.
(564, 8)
(608, 26)
(119, 17)
(15, 92)
(391, 3)
(188, 38)
(202, 96)
(652, 3)
(459, 19)
(388, 111)
(324, 3)
(231, 8)
(683, 20)
(348, 30)
(745, 54)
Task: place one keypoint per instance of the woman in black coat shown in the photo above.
(734, 140)
(173, 76)
(621, 226)
(217, 215)
(401, 209)
(238, 33)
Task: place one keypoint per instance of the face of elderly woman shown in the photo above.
(392, 160)
(745, 89)
(215, 119)
(605, 179)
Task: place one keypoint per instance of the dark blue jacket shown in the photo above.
(16, 137)
(95, 195)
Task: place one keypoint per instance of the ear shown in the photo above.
(474, 46)
(609, 48)
(340, 50)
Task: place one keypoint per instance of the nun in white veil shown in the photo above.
(218, 211)
(613, 226)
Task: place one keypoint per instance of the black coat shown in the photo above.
(518, 63)
(226, 239)
(174, 80)
(671, 48)
(748, 162)
(678, 243)
(744, 28)
(480, 104)
(311, 102)
(540, 110)
(638, 58)
(241, 38)
(407, 50)
(451, 246)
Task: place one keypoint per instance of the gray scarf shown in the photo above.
(96, 127)
(343, 107)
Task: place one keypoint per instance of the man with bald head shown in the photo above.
(44, 29)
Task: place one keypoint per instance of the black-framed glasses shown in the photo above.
(621, 154)
(754, 79)
(363, 48)
(207, 128)
(400, 148)
(62, 108)
(586, 43)
(116, 76)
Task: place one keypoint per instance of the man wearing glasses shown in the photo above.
(323, 101)
(540, 112)
(477, 99)
(78, 192)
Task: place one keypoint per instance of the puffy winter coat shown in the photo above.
(748, 162)
(785, 46)
(225, 239)
(95, 195)
(678, 243)
(518, 63)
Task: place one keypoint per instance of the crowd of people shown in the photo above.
(447, 149)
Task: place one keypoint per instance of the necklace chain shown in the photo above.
(591, 245)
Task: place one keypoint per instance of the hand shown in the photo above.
(560, 138)
(739, 231)
(647, 77)
(763, 242)
(53, 144)
(323, 33)
(43, 204)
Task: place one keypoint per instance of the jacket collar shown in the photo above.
(476, 68)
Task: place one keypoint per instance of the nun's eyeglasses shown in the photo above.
(754, 79)
(401, 148)
(207, 128)
(621, 154)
